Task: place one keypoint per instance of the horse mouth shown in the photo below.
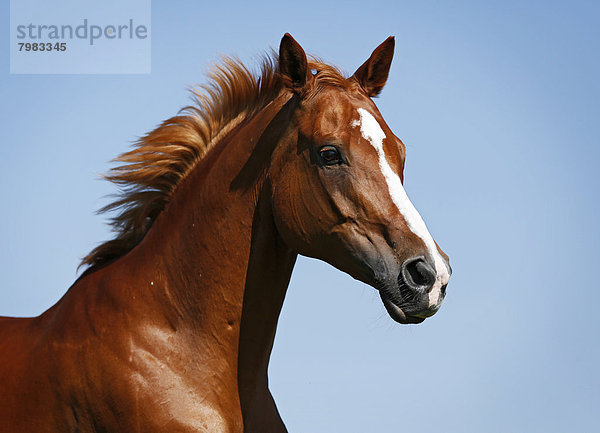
(400, 316)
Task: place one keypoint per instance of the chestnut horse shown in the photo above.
(171, 326)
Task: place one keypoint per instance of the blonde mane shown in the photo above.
(162, 158)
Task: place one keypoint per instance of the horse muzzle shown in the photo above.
(417, 293)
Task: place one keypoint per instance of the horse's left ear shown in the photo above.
(373, 74)
(293, 65)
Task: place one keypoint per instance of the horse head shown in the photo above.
(337, 181)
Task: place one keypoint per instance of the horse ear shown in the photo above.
(373, 74)
(293, 65)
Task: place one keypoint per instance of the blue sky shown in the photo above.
(498, 106)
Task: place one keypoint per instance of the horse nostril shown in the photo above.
(419, 274)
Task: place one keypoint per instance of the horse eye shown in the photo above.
(330, 155)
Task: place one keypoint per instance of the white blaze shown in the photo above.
(372, 132)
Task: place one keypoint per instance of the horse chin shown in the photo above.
(398, 315)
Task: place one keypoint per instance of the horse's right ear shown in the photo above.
(293, 65)
(373, 74)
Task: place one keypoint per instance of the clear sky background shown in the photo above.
(498, 104)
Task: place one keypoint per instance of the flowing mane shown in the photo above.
(162, 158)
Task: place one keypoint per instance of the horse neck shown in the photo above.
(213, 264)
